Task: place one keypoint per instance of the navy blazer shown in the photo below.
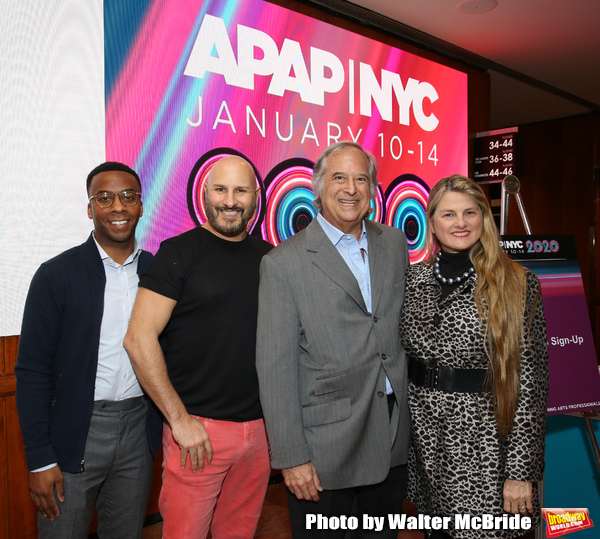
(58, 357)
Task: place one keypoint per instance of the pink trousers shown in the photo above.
(227, 496)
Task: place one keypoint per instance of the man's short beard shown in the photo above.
(234, 229)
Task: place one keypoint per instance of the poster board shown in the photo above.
(495, 155)
(574, 376)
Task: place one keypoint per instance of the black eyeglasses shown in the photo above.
(105, 199)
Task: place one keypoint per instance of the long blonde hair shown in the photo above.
(499, 295)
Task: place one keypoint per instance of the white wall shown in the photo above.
(51, 135)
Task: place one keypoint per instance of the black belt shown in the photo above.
(119, 406)
(446, 378)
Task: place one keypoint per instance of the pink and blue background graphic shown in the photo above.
(406, 199)
(164, 123)
(290, 207)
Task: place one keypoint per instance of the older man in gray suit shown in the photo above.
(332, 371)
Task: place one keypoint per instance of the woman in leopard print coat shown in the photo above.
(461, 461)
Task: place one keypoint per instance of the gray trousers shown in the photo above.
(117, 477)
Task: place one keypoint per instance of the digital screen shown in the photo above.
(185, 86)
(168, 87)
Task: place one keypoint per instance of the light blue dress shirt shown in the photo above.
(115, 377)
(352, 251)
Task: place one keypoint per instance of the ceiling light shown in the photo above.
(474, 7)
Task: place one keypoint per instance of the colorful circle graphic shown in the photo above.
(289, 206)
(406, 206)
(197, 180)
(377, 206)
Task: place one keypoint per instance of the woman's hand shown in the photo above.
(518, 497)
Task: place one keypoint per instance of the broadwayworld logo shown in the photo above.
(562, 521)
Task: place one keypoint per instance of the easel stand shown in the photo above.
(588, 425)
(511, 186)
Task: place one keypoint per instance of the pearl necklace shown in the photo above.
(444, 280)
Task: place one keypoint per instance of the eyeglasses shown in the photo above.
(105, 199)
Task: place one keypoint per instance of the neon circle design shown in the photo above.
(289, 206)
(198, 179)
(377, 206)
(406, 206)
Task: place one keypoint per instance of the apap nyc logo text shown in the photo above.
(213, 52)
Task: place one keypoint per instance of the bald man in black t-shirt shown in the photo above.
(202, 292)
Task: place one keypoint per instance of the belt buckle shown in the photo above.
(433, 375)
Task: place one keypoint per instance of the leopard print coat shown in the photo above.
(457, 464)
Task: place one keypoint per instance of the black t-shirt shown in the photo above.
(210, 340)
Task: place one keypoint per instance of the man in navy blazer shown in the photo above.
(90, 433)
(331, 368)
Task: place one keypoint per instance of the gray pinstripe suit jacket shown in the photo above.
(322, 358)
